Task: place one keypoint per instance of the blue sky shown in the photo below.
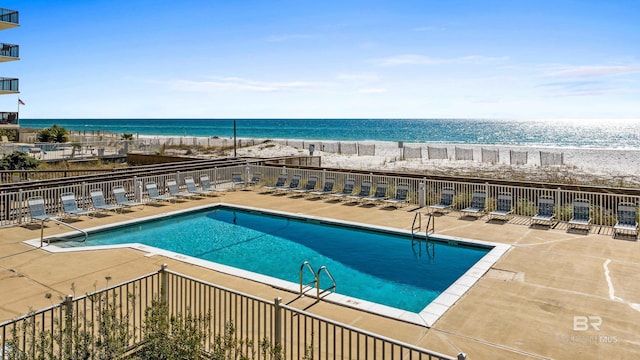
(510, 59)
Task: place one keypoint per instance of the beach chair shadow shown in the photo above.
(478, 206)
(626, 226)
(544, 217)
(581, 219)
(504, 209)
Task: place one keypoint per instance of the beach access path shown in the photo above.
(524, 307)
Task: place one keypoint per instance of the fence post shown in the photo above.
(558, 206)
(164, 284)
(68, 324)
(21, 207)
(277, 322)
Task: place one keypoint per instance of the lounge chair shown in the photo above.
(255, 179)
(545, 211)
(446, 200)
(293, 184)
(380, 193)
(205, 184)
(478, 204)
(192, 189)
(310, 186)
(627, 223)
(121, 198)
(99, 203)
(365, 191)
(174, 191)
(70, 205)
(402, 190)
(154, 194)
(236, 179)
(347, 189)
(581, 218)
(327, 189)
(504, 207)
(37, 210)
(282, 179)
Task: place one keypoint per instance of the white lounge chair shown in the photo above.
(193, 189)
(545, 211)
(446, 200)
(293, 184)
(310, 186)
(70, 205)
(627, 223)
(174, 191)
(121, 198)
(380, 193)
(478, 204)
(347, 189)
(504, 207)
(37, 209)
(205, 184)
(581, 218)
(327, 189)
(99, 203)
(154, 194)
(402, 191)
(365, 191)
(282, 179)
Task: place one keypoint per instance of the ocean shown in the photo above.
(604, 134)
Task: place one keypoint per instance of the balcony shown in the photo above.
(9, 52)
(9, 119)
(8, 86)
(8, 19)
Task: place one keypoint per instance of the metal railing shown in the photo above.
(422, 192)
(79, 326)
(10, 16)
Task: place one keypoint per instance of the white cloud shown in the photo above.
(358, 77)
(372, 91)
(240, 84)
(412, 59)
(289, 37)
(593, 71)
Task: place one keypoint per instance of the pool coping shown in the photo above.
(426, 317)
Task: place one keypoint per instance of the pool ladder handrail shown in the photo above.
(86, 234)
(308, 266)
(333, 281)
(429, 230)
(316, 279)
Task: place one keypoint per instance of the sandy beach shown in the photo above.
(611, 167)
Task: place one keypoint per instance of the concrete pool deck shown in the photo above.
(554, 294)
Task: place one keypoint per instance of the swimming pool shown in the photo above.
(374, 265)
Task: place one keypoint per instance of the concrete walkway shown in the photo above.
(554, 294)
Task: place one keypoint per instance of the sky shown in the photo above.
(508, 59)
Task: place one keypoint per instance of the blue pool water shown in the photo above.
(375, 266)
